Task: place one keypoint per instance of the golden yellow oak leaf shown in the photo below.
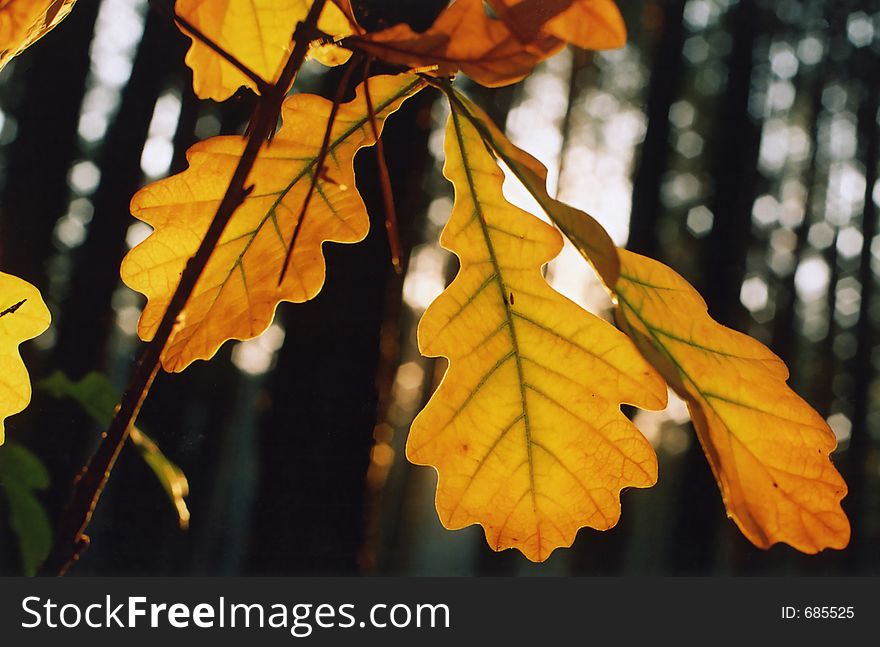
(590, 24)
(769, 450)
(256, 32)
(236, 295)
(24, 22)
(462, 38)
(348, 11)
(23, 316)
(525, 430)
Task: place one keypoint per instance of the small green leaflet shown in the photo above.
(98, 398)
(22, 475)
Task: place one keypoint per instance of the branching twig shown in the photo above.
(391, 228)
(70, 539)
(319, 164)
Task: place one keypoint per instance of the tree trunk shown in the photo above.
(36, 191)
(736, 155)
(855, 465)
(653, 162)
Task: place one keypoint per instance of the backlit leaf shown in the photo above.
(22, 475)
(502, 49)
(237, 294)
(170, 476)
(590, 24)
(24, 22)
(345, 7)
(462, 38)
(256, 32)
(582, 230)
(98, 398)
(525, 430)
(769, 450)
(23, 316)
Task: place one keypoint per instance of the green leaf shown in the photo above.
(98, 398)
(22, 474)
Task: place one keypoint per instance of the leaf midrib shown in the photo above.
(706, 397)
(499, 281)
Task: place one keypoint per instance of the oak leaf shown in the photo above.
(22, 476)
(769, 450)
(258, 33)
(23, 316)
(98, 397)
(462, 38)
(499, 50)
(24, 22)
(348, 11)
(590, 24)
(238, 291)
(525, 430)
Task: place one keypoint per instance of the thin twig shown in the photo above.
(391, 228)
(70, 539)
(262, 85)
(319, 164)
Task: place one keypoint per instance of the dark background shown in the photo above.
(736, 141)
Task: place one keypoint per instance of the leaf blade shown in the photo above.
(238, 292)
(24, 317)
(687, 347)
(523, 415)
(779, 487)
(256, 32)
(498, 50)
(22, 474)
(24, 22)
(588, 24)
(587, 235)
(462, 38)
(98, 398)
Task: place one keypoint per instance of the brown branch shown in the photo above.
(391, 228)
(319, 164)
(70, 538)
(262, 84)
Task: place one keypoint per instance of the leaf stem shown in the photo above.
(70, 539)
(319, 164)
(391, 227)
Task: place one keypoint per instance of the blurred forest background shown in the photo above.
(735, 140)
